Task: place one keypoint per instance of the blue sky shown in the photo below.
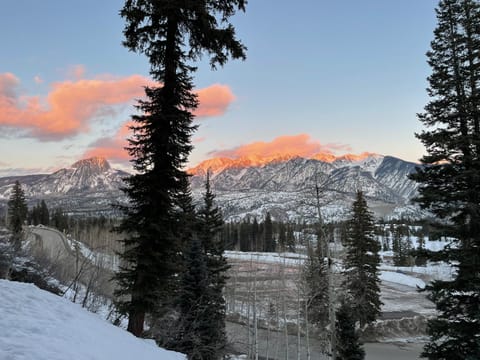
(349, 74)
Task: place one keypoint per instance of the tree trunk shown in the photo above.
(135, 322)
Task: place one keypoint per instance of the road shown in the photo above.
(52, 243)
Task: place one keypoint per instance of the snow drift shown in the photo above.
(35, 324)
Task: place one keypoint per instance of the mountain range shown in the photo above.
(88, 186)
(285, 186)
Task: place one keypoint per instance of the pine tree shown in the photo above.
(282, 236)
(210, 226)
(172, 35)
(348, 343)
(44, 214)
(449, 181)
(268, 240)
(194, 337)
(362, 283)
(290, 239)
(17, 214)
(315, 273)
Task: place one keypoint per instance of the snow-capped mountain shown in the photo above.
(87, 185)
(285, 185)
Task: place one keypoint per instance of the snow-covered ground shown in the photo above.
(35, 324)
(402, 279)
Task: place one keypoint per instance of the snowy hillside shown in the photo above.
(35, 324)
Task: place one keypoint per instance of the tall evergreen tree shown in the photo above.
(210, 226)
(194, 336)
(268, 240)
(282, 236)
(362, 282)
(449, 181)
(315, 273)
(17, 214)
(348, 342)
(172, 35)
(44, 214)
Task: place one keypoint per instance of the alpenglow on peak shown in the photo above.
(95, 164)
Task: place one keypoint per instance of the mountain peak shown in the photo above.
(95, 164)
(218, 164)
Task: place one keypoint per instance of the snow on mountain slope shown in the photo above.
(35, 324)
(88, 186)
(286, 187)
(283, 185)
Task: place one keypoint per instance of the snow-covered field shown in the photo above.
(37, 325)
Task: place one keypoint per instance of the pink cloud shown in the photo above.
(283, 146)
(112, 148)
(214, 100)
(72, 105)
(76, 72)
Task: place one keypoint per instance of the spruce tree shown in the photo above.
(348, 342)
(209, 230)
(282, 236)
(268, 240)
(172, 34)
(315, 273)
(449, 179)
(17, 214)
(44, 214)
(194, 335)
(361, 282)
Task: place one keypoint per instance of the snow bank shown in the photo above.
(35, 324)
(402, 279)
(276, 258)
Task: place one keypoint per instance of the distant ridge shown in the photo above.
(249, 186)
(87, 186)
(284, 185)
(222, 163)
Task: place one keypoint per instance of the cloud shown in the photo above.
(112, 148)
(37, 79)
(68, 109)
(283, 146)
(72, 105)
(76, 72)
(8, 86)
(214, 100)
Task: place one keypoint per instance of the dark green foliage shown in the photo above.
(60, 220)
(44, 214)
(17, 214)
(39, 214)
(172, 35)
(450, 179)
(315, 274)
(210, 225)
(194, 334)
(201, 305)
(348, 343)
(401, 246)
(282, 236)
(290, 239)
(362, 283)
(268, 240)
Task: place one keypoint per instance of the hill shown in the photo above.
(38, 325)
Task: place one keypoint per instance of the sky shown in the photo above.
(338, 77)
